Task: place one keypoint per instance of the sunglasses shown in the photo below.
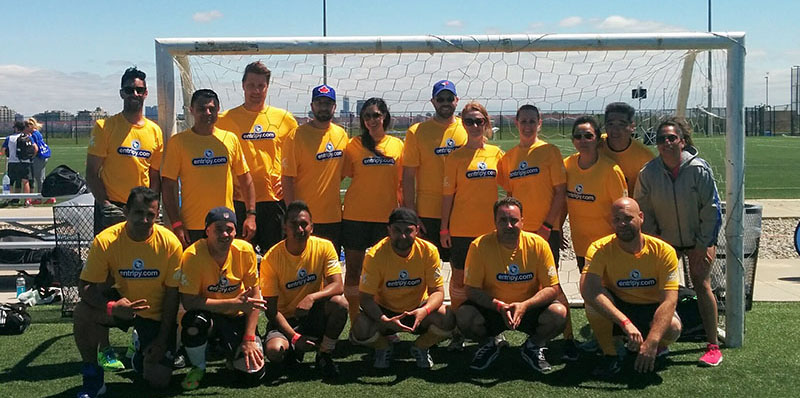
(474, 122)
(444, 100)
(129, 90)
(660, 139)
(585, 136)
(373, 115)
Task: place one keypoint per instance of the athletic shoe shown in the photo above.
(27, 203)
(456, 342)
(93, 385)
(179, 362)
(712, 357)
(609, 366)
(383, 358)
(534, 356)
(50, 201)
(486, 355)
(423, 357)
(292, 357)
(192, 379)
(570, 352)
(326, 366)
(36, 201)
(107, 359)
(589, 346)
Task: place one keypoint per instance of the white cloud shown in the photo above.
(617, 23)
(570, 22)
(207, 16)
(455, 23)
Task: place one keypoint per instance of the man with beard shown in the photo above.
(630, 286)
(301, 280)
(219, 289)
(128, 281)
(205, 159)
(619, 145)
(312, 165)
(512, 284)
(402, 290)
(261, 129)
(124, 152)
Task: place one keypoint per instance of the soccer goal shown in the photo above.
(566, 76)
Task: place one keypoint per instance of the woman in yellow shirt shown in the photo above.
(469, 192)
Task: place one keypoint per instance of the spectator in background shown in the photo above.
(39, 161)
(19, 170)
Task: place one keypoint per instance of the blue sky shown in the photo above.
(70, 57)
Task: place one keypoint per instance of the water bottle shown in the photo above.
(6, 184)
(20, 285)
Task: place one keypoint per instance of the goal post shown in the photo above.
(574, 73)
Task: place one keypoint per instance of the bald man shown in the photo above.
(630, 287)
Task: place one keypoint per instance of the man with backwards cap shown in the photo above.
(301, 280)
(219, 289)
(402, 290)
(312, 165)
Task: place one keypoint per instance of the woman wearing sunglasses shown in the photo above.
(470, 190)
(594, 182)
(372, 160)
(678, 196)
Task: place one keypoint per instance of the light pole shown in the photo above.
(710, 124)
(324, 34)
(766, 86)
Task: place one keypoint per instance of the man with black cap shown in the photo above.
(312, 165)
(402, 290)
(301, 280)
(219, 289)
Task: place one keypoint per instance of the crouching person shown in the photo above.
(630, 286)
(402, 290)
(139, 259)
(301, 280)
(512, 284)
(219, 289)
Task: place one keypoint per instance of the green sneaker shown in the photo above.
(107, 359)
(192, 379)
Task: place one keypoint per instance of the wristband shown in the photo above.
(177, 224)
(444, 231)
(498, 304)
(625, 322)
(296, 337)
(249, 338)
(427, 310)
(547, 225)
(108, 307)
(252, 211)
(546, 228)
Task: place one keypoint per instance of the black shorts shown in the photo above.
(408, 321)
(581, 262)
(18, 172)
(555, 245)
(330, 231)
(458, 251)
(106, 216)
(226, 330)
(494, 324)
(432, 228)
(361, 235)
(269, 223)
(312, 324)
(196, 234)
(641, 315)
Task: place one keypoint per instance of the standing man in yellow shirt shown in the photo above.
(313, 158)
(427, 144)
(620, 146)
(301, 280)
(124, 152)
(512, 284)
(630, 286)
(262, 130)
(205, 159)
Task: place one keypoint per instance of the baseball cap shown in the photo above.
(443, 85)
(221, 213)
(323, 91)
(402, 215)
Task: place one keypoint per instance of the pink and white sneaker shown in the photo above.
(712, 357)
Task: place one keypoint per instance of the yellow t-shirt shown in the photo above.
(206, 166)
(128, 152)
(291, 278)
(261, 135)
(201, 276)
(530, 175)
(401, 283)
(590, 194)
(631, 160)
(510, 275)
(471, 175)
(634, 278)
(140, 270)
(376, 180)
(427, 144)
(315, 158)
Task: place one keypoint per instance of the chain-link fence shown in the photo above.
(74, 228)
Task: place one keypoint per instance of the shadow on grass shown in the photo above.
(22, 370)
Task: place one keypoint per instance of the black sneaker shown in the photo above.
(609, 366)
(534, 356)
(326, 366)
(485, 355)
(570, 353)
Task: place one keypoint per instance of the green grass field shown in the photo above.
(43, 362)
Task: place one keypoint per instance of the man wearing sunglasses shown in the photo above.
(427, 144)
(619, 145)
(679, 199)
